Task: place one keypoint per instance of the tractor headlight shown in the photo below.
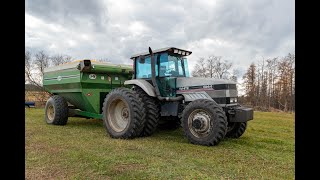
(233, 100)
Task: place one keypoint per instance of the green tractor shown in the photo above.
(160, 89)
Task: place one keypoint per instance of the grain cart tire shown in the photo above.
(204, 122)
(152, 109)
(169, 123)
(56, 111)
(123, 113)
(236, 129)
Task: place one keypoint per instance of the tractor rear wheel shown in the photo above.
(123, 113)
(152, 109)
(204, 122)
(56, 111)
(236, 129)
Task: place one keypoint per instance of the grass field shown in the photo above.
(83, 150)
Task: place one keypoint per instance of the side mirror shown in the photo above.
(142, 59)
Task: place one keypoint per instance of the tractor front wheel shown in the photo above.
(204, 122)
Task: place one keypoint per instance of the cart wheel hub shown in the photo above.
(50, 113)
(125, 113)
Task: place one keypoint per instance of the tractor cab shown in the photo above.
(170, 63)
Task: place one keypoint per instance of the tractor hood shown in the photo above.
(199, 81)
(220, 90)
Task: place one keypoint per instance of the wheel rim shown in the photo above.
(50, 112)
(199, 123)
(118, 115)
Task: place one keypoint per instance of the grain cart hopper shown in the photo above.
(80, 87)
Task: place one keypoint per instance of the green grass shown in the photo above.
(83, 150)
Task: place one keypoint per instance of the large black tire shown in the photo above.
(152, 109)
(236, 129)
(169, 123)
(204, 122)
(123, 113)
(56, 111)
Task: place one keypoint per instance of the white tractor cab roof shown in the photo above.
(169, 49)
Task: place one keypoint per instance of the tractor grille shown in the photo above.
(221, 100)
(222, 93)
(224, 86)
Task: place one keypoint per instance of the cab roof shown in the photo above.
(170, 49)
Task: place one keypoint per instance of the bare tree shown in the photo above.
(42, 61)
(34, 70)
(286, 74)
(27, 65)
(60, 59)
(250, 84)
(221, 68)
(30, 76)
(200, 69)
(67, 58)
(33, 78)
(34, 67)
(211, 61)
(271, 68)
(212, 67)
(234, 75)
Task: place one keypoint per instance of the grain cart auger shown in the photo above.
(160, 87)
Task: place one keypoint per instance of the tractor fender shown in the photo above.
(143, 84)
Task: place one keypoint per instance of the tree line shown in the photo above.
(271, 84)
(215, 67)
(268, 85)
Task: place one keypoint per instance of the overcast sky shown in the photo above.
(240, 31)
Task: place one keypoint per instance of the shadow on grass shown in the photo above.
(85, 123)
(178, 136)
(161, 135)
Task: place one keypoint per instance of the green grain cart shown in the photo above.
(80, 87)
(132, 100)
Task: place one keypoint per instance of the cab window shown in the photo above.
(143, 69)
